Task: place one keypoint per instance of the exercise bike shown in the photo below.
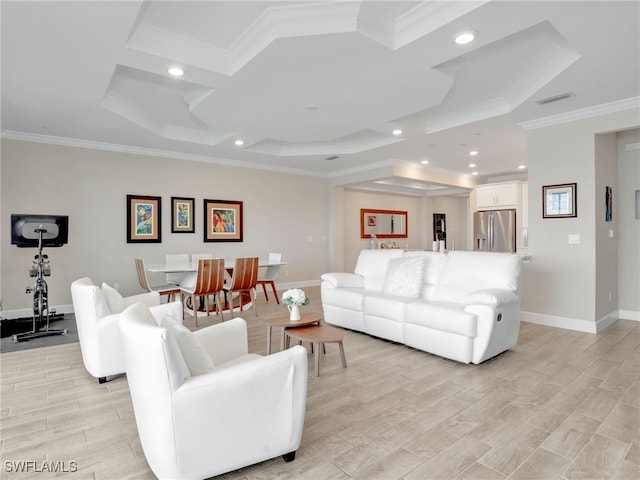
(41, 268)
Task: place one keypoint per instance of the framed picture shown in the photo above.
(182, 215)
(222, 221)
(608, 204)
(559, 201)
(144, 219)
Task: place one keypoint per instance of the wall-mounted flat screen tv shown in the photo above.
(25, 230)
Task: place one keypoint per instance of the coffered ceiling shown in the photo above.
(316, 87)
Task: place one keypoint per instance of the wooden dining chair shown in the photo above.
(209, 281)
(243, 281)
(169, 290)
(270, 275)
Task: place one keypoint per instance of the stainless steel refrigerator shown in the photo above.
(494, 231)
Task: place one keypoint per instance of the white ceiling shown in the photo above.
(302, 81)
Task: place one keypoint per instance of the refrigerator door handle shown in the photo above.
(492, 240)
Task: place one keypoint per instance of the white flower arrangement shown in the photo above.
(295, 296)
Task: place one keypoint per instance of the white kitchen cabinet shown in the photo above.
(495, 196)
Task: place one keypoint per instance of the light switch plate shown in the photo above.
(574, 239)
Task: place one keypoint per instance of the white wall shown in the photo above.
(282, 213)
(559, 284)
(606, 288)
(458, 220)
(354, 200)
(628, 233)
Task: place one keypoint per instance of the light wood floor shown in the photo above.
(562, 404)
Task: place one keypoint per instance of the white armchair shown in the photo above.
(246, 409)
(98, 330)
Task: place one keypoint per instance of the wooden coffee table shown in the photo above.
(282, 320)
(318, 335)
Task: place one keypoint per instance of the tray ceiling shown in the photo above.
(300, 82)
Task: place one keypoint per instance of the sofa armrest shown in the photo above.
(343, 280)
(490, 296)
(224, 341)
(148, 298)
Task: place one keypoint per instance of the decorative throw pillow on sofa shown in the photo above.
(404, 277)
(114, 299)
(195, 356)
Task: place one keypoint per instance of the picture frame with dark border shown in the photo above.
(223, 221)
(559, 201)
(182, 215)
(144, 219)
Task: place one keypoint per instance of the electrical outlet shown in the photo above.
(286, 273)
(574, 239)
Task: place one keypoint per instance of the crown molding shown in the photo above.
(150, 152)
(581, 114)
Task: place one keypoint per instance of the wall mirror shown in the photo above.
(383, 223)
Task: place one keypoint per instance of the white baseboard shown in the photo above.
(306, 283)
(28, 313)
(629, 315)
(560, 322)
(579, 325)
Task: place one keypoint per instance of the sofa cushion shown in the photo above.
(372, 265)
(195, 356)
(113, 298)
(465, 272)
(443, 316)
(386, 306)
(404, 277)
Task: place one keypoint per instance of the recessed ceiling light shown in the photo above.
(522, 167)
(465, 37)
(311, 107)
(239, 143)
(424, 162)
(474, 173)
(175, 71)
(397, 132)
(471, 165)
(473, 153)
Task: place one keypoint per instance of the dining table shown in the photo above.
(186, 267)
(190, 268)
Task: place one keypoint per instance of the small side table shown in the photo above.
(282, 320)
(318, 335)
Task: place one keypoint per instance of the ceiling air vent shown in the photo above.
(332, 157)
(555, 98)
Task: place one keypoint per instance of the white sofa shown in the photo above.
(97, 321)
(242, 409)
(460, 305)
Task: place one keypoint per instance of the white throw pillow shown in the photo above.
(404, 277)
(193, 353)
(114, 299)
